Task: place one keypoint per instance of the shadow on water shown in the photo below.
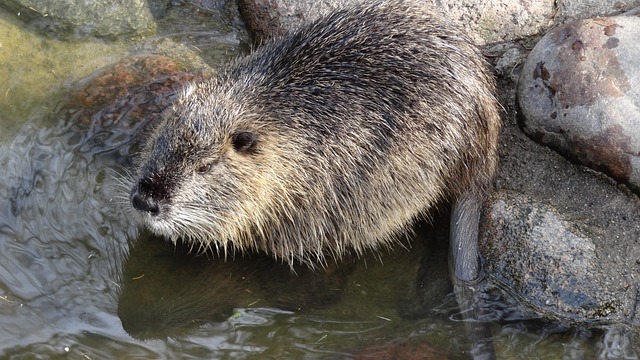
(168, 291)
(251, 306)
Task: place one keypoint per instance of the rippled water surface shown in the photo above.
(77, 276)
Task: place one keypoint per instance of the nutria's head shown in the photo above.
(206, 170)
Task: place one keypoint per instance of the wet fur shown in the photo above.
(363, 120)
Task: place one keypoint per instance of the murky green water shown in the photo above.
(79, 280)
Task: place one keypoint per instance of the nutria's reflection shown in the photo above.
(166, 291)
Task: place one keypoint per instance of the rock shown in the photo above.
(79, 18)
(486, 21)
(584, 203)
(504, 20)
(556, 264)
(571, 271)
(579, 94)
(560, 238)
(499, 20)
(509, 57)
(116, 104)
(268, 18)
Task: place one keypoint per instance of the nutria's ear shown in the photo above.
(245, 141)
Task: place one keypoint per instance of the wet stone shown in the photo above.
(561, 268)
(74, 18)
(119, 102)
(579, 93)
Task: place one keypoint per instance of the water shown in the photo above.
(78, 278)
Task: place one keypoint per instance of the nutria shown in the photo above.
(338, 136)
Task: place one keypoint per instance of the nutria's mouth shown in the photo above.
(158, 225)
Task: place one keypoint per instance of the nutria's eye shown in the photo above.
(203, 169)
(244, 141)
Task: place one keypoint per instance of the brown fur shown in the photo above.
(336, 137)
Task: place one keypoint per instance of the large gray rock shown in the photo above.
(562, 268)
(504, 20)
(79, 18)
(486, 21)
(499, 20)
(579, 94)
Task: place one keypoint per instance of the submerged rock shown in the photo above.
(120, 101)
(78, 18)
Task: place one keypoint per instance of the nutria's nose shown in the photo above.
(144, 203)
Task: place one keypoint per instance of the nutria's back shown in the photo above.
(338, 136)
